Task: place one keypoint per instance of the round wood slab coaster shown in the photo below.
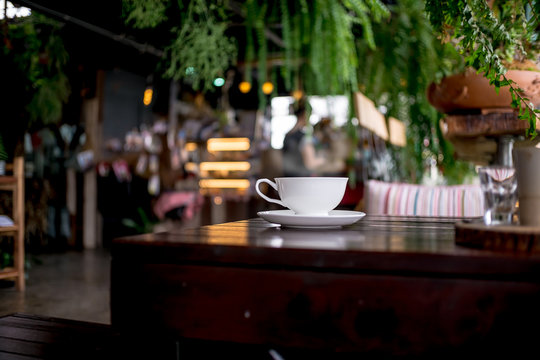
(498, 237)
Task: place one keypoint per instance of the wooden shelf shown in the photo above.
(8, 229)
(8, 179)
(7, 183)
(8, 273)
(15, 183)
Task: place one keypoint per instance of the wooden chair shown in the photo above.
(14, 183)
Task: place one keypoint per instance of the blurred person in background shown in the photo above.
(319, 154)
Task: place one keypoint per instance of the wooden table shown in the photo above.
(384, 286)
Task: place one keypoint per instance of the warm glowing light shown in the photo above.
(228, 144)
(218, 200)
(147, 98)
(190, 146)
(225, 166)
(237, 236)
(267, 88)
(224, 183)
(244, 87)
(298, 94)
(219, 82)
(191, 167)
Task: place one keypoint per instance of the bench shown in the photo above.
(24, 336)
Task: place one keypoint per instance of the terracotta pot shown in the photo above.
(471, 91)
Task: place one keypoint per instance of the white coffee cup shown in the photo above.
(307, 195)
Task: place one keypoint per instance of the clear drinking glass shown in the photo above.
(499, 185)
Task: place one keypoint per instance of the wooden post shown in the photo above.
(92, 234)
(18, 200)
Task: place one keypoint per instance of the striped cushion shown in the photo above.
(384, 198)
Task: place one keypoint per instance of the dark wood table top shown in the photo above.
(381, 287)
(377, 244)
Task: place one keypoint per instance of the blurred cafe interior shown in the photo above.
(127, 117)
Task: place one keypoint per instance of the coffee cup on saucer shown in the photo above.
(306, 195)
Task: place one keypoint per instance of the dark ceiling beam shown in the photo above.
(143, 48)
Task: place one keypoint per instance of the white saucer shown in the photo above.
(288, 218)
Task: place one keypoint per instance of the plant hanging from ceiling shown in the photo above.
(37, 51)
(325, 48)
(315, 39)
(200, 50)
(491, 36)
(145, 13)
(396, 74)
(33, 66)
(319, 51)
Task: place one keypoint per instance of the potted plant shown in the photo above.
(494, 36)
(470, 91)
(497, 39)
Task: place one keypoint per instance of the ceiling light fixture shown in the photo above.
(148, 94)
(244, 87)
(267, 88)
(228, 144)
(219, 82)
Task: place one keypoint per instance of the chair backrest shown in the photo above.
(384, 198)
(271, 164)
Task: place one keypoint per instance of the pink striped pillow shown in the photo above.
(384, 198)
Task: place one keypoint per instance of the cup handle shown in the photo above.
(272, 184)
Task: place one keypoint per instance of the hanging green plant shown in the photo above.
(38, 52)
(250, 43)
(201, 50)
(3, 153)
(491, 37)
(326, 48)
(317, 38)
(145, 13)
(33, 66)
(396, 74)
